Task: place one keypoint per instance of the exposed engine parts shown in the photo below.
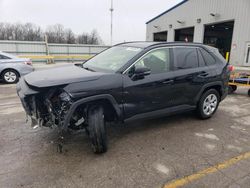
(50, 109)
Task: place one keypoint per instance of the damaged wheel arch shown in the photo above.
(105, 99)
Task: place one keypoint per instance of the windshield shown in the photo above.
(112, 59)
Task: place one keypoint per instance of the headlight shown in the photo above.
(65, 96)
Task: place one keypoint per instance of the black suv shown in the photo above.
(129, 81)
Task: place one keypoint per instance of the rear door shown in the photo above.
(190, 74)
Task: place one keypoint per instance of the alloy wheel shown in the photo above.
(10, 76)
(210, 104)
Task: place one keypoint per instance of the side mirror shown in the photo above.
(140, 73)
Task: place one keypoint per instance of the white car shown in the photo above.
(12, 67)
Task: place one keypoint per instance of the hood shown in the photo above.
(60, 76)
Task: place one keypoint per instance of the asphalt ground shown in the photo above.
(174, 151)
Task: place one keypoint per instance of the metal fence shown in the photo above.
(40, 51)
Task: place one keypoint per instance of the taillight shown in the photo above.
(28, 62)
(230, 68)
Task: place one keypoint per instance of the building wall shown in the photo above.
(190, 11)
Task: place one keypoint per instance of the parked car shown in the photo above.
(129, 81)
(12, 67)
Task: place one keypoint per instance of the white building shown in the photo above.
(224, 24)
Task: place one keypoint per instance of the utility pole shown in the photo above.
(111, 25)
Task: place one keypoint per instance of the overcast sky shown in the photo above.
(85, 15)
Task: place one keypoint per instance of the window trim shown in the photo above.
(215, 61)
(126, 70)
(199, 55)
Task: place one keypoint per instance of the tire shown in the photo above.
(208, 104)
(248, 92)
(10, 76)
(231, 89)
(97, 130)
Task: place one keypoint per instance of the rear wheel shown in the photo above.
(232, 88)
(97, 130)
(208, 104)
(10, 76)
(249, 92)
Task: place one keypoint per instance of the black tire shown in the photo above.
(231, 89)
(12, 74)
(248, 92)
(97, 130)
(200, 108)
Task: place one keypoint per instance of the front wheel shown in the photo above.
(97, 130)
(208, 104)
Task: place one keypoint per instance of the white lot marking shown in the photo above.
(210, 146)
(210, 129)
(209, 136)
(13, 110)
(235, 148)
(238, 128)
(162, 168)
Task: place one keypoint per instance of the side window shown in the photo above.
(209, 59)
(185, 58)
(158, 61)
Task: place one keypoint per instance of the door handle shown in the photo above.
(203, 74)
(168, 82)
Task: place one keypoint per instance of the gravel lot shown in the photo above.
(141, 154)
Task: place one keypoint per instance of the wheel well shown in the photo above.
(18, 74)
(110, 113)
(216, 87)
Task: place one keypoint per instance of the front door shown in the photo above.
(153, 92)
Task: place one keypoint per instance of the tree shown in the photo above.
(32, 32)
(70, 37)
(55, 34)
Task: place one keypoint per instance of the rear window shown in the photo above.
(4, 57)
(185, 58)
(208, 58)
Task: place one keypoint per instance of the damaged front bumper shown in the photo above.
(43, 106)
(23, 90)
